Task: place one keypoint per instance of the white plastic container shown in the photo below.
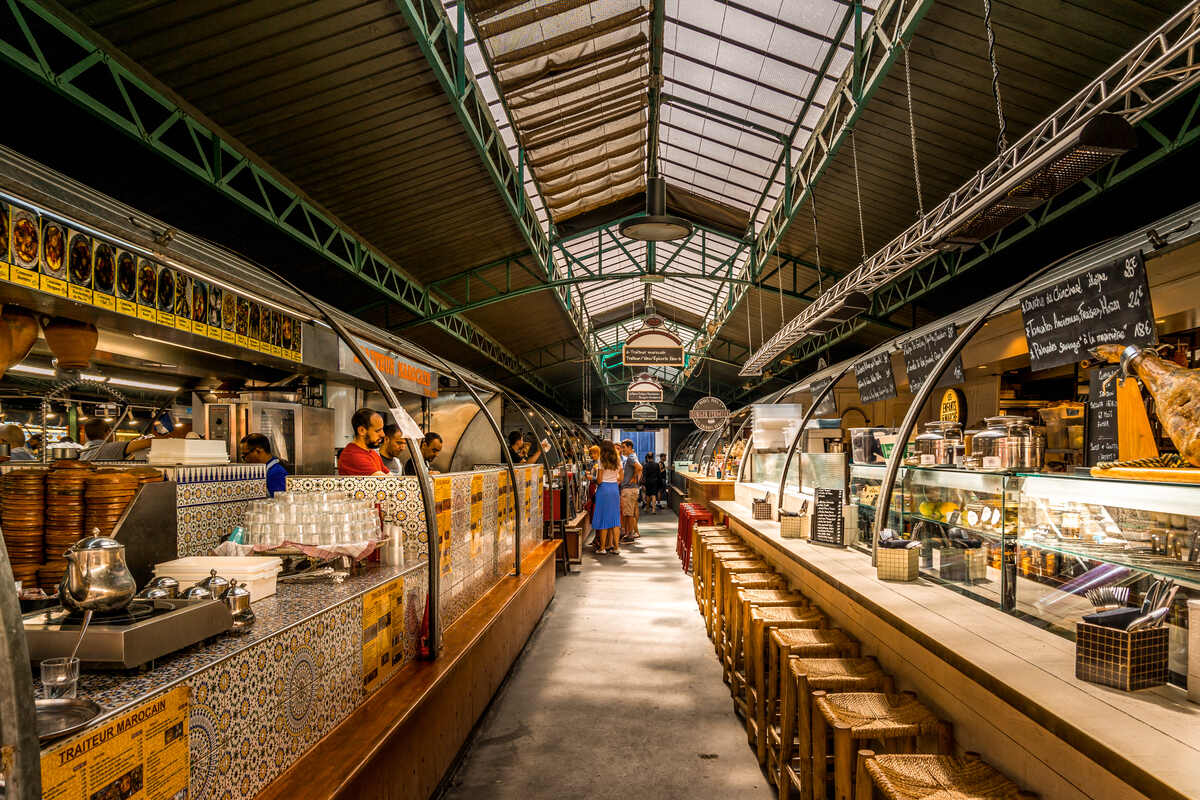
(257, 572)
(188, 451)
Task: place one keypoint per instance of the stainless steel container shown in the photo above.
(1009, 443)
(935, 447)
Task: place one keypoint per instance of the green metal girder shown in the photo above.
(104, 82)
(443, 49)
(935, 272)
(657, 25)
(875, 51)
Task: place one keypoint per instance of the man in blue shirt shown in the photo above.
(256, 449)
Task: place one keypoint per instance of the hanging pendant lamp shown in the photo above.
(657, 225)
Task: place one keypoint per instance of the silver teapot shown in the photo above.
(97, 577)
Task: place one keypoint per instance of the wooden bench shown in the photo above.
(574, 536)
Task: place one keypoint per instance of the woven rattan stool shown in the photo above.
(708, 591)
(898, 722)
(791, 738)
(723, 568)
(744, 599)
(733, 652)
(918, 777)
(702, 542)
(761, 623)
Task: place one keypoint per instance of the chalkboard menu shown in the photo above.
(1109, 304)
(828, 407)
(1102, 414)
(876, 381)
(922, 353)
(828, 525)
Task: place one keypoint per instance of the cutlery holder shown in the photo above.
(793, 526)
(761, 508)
(1123, 660)
(892, 564)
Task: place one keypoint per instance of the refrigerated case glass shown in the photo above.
(865, 480)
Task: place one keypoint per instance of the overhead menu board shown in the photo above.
(875, 378)
(1102, 414)
(828, 406)
(922, 353)
(828, 523)
(1109, 304)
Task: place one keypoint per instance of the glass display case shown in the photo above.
(865, 480)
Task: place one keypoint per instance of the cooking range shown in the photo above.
(141, 632)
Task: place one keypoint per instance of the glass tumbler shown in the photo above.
(60, 676)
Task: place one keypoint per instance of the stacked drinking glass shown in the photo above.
(315, 518)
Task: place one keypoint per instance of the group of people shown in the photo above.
(618, 485)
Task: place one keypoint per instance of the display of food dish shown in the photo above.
(199, 302)
(26, 242)
(243, 316)
(183, 296)
(252, 320)
(79, 259)
(214, 306)
(54, 249)
(285, 332)
(104, 268)
(228, 310)
(147, 282)
(166, 289)
(3, 232)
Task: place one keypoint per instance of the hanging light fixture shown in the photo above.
(657, 225)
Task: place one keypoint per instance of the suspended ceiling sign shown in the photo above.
(709, 413)
(400, 373)
(652, 346)
(644, 389)
(644, 411)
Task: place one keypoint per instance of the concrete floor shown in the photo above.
(618, 694)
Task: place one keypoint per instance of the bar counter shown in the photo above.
(1009, 687)
(701, 488)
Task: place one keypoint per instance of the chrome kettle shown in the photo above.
(97, 578)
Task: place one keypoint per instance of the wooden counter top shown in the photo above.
(704, 480)
(1148, 739)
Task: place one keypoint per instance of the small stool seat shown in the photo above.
(760, 707)
(934, 777)
(739, 582)
(744, 598)
(791, 737)
(710, 557)
(723, 568)
(896, 721)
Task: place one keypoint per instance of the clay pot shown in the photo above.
(18, 332)
(71, 341)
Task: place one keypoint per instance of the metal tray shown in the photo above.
(63, 716)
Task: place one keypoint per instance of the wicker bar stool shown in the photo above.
(791, 738)
(732, 652)
(724, 568)
(930, 777)
(708, 589)
(898, 722)
(744, 599)
(702, 541)
(761, 623)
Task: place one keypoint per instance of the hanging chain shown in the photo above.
(912, 131)
(1001, 138)
(862, 228)
(761, 336)
(749, 329)
(817, 244)
(779, 281)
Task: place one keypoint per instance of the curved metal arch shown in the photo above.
(808, 415)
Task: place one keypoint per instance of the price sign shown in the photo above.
(1102, 414)
(828, 407)
(828, 523)
(875, 378)
(922, 353)
(1109, 304)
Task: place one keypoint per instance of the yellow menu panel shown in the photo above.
(139, 755)
(53, 286)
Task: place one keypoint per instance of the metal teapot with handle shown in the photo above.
(97, 577)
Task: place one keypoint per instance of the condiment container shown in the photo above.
(935, 447)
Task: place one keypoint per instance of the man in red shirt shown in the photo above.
(361, 455)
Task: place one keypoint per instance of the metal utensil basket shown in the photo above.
(793, 526)
(761, 508)
(1122, 659)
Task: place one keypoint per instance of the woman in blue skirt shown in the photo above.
(606, 518)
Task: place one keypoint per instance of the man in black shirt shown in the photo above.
(652, 481)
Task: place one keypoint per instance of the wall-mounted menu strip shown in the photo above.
(1109, 304)
(1102, 442)
(921, 354)
(875, 378)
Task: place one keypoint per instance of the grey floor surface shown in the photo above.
(618, 694)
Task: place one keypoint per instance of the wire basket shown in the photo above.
(761, 508)
(894, 564)
(1122, 659)
(793, 526)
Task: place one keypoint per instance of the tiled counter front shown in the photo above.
(259, 701)
(398, 496)
(475, 531)
(211, 502)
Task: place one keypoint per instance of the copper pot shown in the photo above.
(71, 341)
(18, 332)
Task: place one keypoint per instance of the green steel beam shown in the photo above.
(658, 23)
(88, 71)
(891, 28)
(935, 272)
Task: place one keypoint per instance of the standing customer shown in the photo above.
(631, 479)
(652, 480)
(592, 476)
(606, 518)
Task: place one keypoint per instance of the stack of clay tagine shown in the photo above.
(107, 495)
(22, 518)
(64, 517)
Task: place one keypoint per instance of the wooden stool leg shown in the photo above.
(816, 790)
(843, 761)
(946, 739)
(804, 707)
(787, 734)
(764, 676)
(863, 789)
